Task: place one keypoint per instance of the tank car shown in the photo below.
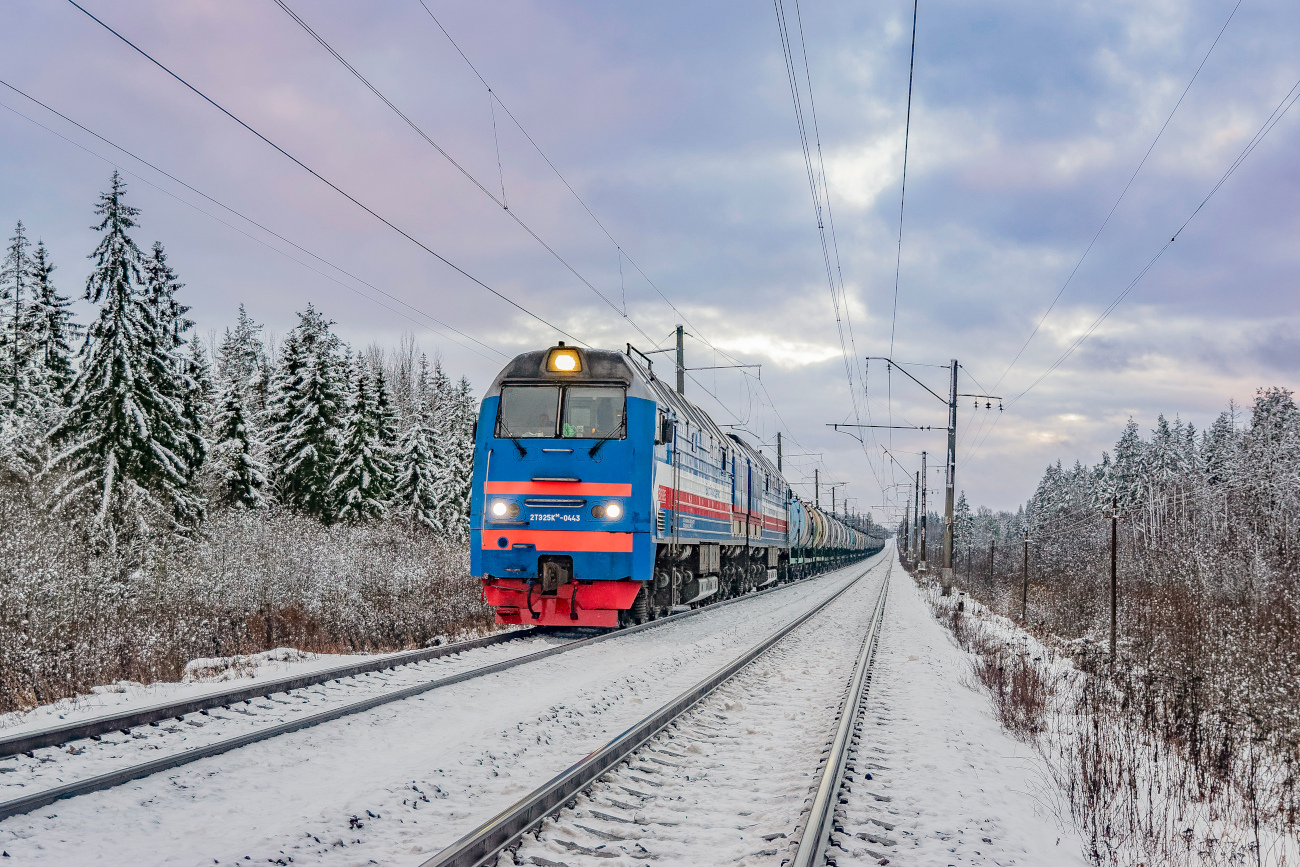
(602, 497)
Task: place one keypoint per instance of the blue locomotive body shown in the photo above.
(601, 496)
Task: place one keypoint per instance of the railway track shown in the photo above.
(637, 788)
(269, 709)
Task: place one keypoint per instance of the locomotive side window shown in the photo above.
(528, 411)
(594, 412)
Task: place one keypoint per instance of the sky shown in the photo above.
(650, 166)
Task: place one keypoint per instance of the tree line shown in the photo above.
(128, 428)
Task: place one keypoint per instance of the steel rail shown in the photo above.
(25, 742)
(482, 845)
(821, 819)
(45, 797)
(53, 736)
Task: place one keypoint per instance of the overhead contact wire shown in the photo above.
(325, 180)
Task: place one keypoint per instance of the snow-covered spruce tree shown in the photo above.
(173, 372)
(455, 445)
(125, 440)
(241, 356)
(50, 332)
(240, 475)
(303, 415)
(363, 477)
(385, 418)
(415, 492)
(15, 283)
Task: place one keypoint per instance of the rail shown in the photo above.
(821, 819)
(45, 797)
(482, 845)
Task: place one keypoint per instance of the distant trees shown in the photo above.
(139, 432)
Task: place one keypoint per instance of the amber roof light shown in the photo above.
(563, 359)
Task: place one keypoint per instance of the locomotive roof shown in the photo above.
(605, 366)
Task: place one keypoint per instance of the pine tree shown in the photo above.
(124, 438)
(241, 477)
(50, 331)
(304, 411)
(363, 477)
(15, 280)
(385, 419)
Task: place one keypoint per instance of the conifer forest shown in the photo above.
(163, 500)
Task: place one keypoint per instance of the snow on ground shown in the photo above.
(202, 677)
(727, 783)
(937, 780)
(402, 781)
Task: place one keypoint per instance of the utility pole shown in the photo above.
(922, 515)
(916, 517)
(833, 499)
(1024, 587)
(907, 522)
(681, 361)
(993, 547)
(817, 488)
(779, 468)
(950, 482)
(1114, 584)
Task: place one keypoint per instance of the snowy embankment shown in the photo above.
(937, 780)
(406, 779)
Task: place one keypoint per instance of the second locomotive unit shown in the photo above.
(602, 497)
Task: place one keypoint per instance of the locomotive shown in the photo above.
(603, 497)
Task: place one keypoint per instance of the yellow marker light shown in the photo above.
(499, 509)
(563, 360)
(614, 510)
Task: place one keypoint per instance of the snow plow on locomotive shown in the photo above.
(602, 497)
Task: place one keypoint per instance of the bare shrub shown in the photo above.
(72, 617)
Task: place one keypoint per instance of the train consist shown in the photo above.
(602, 497)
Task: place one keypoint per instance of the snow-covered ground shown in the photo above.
(727, 783)
(404, 780)
(203, 677)
(936, 779)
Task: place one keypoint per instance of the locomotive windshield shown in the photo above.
(586, 412)
(528, 411)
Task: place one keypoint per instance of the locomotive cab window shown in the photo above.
(528, 411)
(594, 412)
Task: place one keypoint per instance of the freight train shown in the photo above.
(602, 497)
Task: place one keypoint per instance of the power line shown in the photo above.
(1122, 193)
(902, 195)
(500, 203)
(326, 181)
(241, 216)
(1277, 114)
(252, 237)
(623, 254)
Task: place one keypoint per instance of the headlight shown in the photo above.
(563, 360)
(614, 511)
(499, 509)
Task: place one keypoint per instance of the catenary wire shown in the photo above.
(500, 203)
(325, 180)
(253, 237)
(1120, 198)
(238, 214)
(531, 141)
(1276, 116)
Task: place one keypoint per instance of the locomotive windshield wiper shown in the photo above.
(523, 452)
(591, 453)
